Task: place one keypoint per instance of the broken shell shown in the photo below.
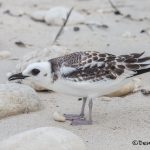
(58, 117)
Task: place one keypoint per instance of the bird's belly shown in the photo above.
(84, 88)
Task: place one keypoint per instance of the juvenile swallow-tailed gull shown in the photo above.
(87, 74)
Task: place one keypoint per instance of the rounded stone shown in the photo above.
(45, 138)
(16, 99)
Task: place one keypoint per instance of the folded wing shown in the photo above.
(94, 66)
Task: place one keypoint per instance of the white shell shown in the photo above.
(4, 54)
(58, 117)
(16, 99)
(38, 15)
(45, 138)
(57, 15)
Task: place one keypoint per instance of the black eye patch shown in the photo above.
(35, 72)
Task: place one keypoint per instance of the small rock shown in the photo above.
(107, 44)
(20, 44)
(39, 15)
(117, 12)
(80, 99)
(44, 138)
(58, 117)
(142, 31)
(147, 31)
(76, 29)
(4, 54)
(128, 16)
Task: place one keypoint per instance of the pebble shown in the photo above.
(58, 117)
(76, 29)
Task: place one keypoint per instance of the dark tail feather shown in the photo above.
(141, 71)
(138, 64)
(137, 55)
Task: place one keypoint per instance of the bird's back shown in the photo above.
(95, 66)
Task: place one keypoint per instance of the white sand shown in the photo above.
(116, 123)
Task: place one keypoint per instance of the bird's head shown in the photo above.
(37, 74)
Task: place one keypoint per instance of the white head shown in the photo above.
(38, 74)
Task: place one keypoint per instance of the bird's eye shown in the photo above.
(35, 72)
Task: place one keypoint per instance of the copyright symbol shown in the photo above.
(135, 142)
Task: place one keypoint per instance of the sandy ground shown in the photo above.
(116, 122)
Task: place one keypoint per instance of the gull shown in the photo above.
(87, 74)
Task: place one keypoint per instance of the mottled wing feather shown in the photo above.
(94, 66)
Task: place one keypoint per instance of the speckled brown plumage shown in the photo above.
(95, 66)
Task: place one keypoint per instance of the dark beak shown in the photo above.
(17, 76)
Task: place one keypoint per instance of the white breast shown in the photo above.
(86, 88)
